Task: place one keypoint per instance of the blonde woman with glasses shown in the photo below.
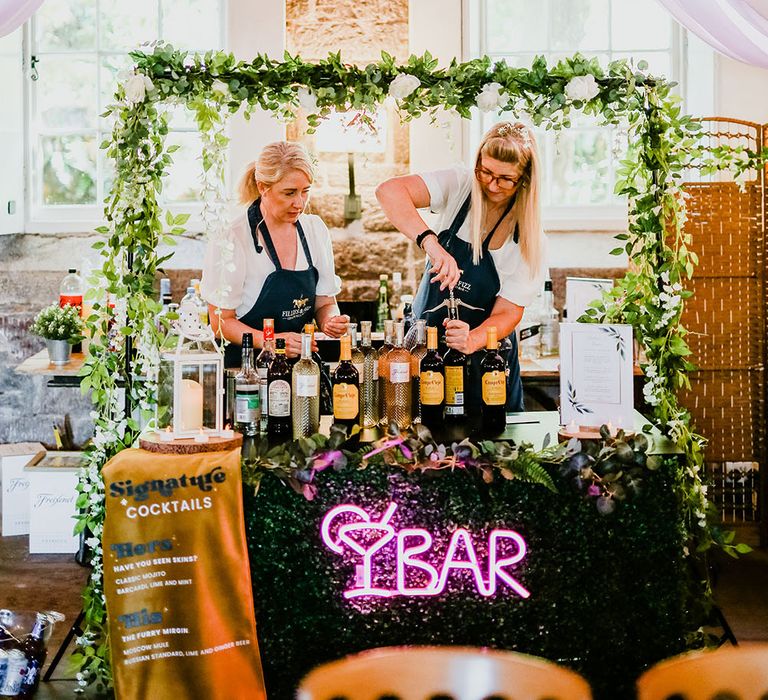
(282, 264)
(488, 247)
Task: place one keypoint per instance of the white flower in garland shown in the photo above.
(220, 86)
(403, 85)
(582, 88)
(307, 100)
(491, 98)
(137, 87)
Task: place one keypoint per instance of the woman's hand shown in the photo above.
(335, 326)
(292, 343)
(444, 268)
(457, 336)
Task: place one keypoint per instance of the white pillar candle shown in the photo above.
(191, 405)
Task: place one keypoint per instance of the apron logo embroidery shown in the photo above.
(463, 286)
(300, 303)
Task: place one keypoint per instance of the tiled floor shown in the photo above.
(54, 582)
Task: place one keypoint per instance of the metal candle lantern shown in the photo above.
(190, 380)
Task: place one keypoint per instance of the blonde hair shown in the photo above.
(511, 143)
(275, 161)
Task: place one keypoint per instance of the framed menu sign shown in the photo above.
(596, 374)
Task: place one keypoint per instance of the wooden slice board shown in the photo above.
(187, 446)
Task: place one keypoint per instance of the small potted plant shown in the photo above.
(61, 327)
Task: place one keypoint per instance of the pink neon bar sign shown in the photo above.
(360, 534)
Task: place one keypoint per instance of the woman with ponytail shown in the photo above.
(488, 248)
(282, 260)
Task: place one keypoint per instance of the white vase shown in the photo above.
(59, 351)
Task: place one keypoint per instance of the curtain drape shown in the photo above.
(736, 28)
(13, 13)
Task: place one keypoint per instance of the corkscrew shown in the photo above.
(453, 304)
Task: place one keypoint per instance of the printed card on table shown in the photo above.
(580, 292)
(596, 375)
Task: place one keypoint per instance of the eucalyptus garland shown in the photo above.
(214, 85)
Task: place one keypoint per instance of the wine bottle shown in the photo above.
(34, 649)
(550, 323)
(370, 387)
(263, 361)
(247, 400)
(398, 382)
(358, 360)
(456, 378)
(494, 386)
(346, 383)
(389, 332)
(417, 353)
(431, 383)
(305, 392)
(326, 390)
(279, 395)
(382, 309)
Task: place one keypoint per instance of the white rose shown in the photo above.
(307, 100)
(137, 87)
(220, 86)
(490, 98)
(403, 85)
(582, 88)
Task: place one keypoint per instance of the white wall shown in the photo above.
(741, 91)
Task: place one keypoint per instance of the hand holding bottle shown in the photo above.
(444, 270)
(457, 336)
(293, 343)
(335, 326)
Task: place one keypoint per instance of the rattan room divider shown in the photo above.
(726, 318)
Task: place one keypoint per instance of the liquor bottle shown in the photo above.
(71, 293)
(408, 318)
(263, 361)
(279, 395)
(247, 403)
(550, 323)
(370, 387)
(201, 303)
(494, 386)
(305, 392)
(456, 378)
(431, 383)
(397, 403)
(326, 390)
(530, 331)
(34, 649)
(389, 333)
(165, 291)
(382, 309)
(346, 383)
(358, 360)
(417, 353)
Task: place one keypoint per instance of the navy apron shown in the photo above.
(479, 286)
(288, 296)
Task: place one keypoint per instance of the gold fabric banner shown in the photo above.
(176, 578)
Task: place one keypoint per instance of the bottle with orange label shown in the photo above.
(346, 387)
(431, 383)
(493, 376)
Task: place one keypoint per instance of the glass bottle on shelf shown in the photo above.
(493, 376)
(550, 323)
(247, 400)
(279, 395)
(397, 405)
(358, 360)
(408, 318)
(389, 332)
(326, 390)
(456, 378)
(305, 392)
(431, 383)
(263, 361)
(382, 309)
(417, 353)
(346, 383)
(369, 412)
(394, 297)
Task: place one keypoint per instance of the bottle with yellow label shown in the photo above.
(346, 387)
(493, 376)
(431, 383)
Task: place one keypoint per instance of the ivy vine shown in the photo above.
(215, 85)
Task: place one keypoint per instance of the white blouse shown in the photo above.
(238, 285)
(447, 191)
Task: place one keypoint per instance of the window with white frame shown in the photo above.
(76, 50)
(580, 163)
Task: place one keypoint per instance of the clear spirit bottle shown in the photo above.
(247, 403)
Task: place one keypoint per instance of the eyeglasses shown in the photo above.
(503, 181)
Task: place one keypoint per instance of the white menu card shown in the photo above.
(596, 375)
